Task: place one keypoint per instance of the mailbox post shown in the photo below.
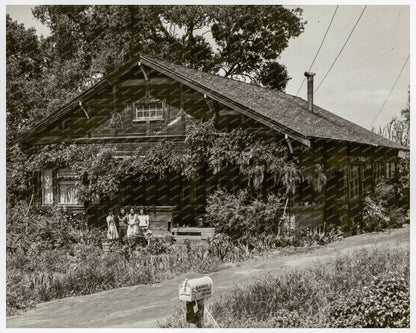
(194, 292)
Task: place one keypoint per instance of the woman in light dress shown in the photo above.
(112, 233)
(143, 220)
(132, 221)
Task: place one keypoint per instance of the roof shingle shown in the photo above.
(288, 110)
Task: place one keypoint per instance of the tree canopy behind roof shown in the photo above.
(234, 41)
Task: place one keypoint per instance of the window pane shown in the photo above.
(151, 110)
(68, 193)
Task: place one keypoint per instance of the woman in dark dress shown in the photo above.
(122, 224)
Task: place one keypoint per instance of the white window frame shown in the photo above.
(148, 111)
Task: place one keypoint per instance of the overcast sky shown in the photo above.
(364, 73)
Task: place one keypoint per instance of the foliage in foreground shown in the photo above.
(368, 288)
(50, 257)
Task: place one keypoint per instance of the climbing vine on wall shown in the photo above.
(253, 155)
(101, 174)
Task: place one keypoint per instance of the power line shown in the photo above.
(339, 53)
(319, 49)
(391, 90)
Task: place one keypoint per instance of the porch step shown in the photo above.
(192, 233)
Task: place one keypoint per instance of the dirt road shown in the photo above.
(145, 305)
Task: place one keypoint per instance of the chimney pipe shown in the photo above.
(309, 76)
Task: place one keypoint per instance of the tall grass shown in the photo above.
(56, 274)
(339, 294)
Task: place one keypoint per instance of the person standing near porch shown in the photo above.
(143, 220)
(112, 233)
(132, 229)
(122, 224)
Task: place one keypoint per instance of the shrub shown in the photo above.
(137, 241)
(49, 228)
(373, 216)
(241, 218)
(157, 246)
(393, 196)
(19, 295)
(220, 245)
(384, 303)
(398, 217)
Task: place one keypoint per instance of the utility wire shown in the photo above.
(319, 49)
(339, 53)
(391, 90)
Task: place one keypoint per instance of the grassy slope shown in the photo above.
(365, 288)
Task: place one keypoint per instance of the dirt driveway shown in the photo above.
(145, 305)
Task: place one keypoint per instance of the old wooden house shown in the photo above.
(147, 100)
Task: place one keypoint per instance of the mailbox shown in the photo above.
(195, 289)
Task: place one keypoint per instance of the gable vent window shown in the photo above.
(153, 110)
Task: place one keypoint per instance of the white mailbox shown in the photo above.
(195, 289)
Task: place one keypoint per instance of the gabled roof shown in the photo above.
(281, 111)
(289, 111)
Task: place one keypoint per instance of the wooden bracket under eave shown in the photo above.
(289, 144)
(83, 109)
(146, 78)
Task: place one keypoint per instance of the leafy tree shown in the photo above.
(396, 191)
(23, 75)
(235, 41)
(34, 85)
(398, 128)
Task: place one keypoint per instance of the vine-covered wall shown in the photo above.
(163, 175)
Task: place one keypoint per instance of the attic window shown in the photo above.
(152, 110)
